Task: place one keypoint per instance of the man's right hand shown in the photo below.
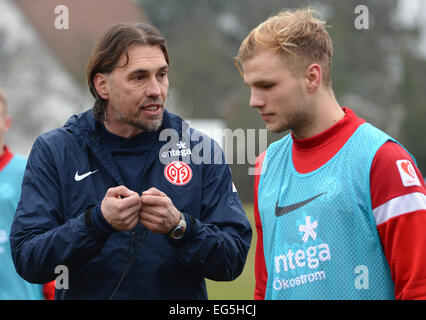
(121, 207)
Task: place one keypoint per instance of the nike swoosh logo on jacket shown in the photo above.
(78, 177)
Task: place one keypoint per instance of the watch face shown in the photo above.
(178, 232)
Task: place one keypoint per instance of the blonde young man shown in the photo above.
(340, 206)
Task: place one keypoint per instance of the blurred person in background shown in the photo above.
(102, 198)
(12, 167)
(340, 206)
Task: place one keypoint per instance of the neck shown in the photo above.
(325, 113)
(127, 131)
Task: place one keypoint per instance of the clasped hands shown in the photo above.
(124, 208)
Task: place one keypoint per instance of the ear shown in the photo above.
(100, 82)
(313, 77)
(7, 123)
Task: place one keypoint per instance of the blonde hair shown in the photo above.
(299, 35)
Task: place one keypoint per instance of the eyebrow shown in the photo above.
(260, 82)
(165, 67)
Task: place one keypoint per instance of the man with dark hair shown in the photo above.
(340, 206)
(99, 200)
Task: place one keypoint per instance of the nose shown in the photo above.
(256, 100)
(153, 88)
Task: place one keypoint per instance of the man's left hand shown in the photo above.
(158, 214)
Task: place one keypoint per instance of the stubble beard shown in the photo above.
(136, 119)
(302, 118)
(299, 120)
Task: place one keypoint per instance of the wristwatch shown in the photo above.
(177, 232)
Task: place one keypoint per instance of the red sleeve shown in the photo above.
(398, 195)
(6, 156)
(260, 272)
(49, 290)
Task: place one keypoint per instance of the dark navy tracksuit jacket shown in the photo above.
(52, 226)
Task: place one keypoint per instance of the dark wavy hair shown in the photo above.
(111, 46)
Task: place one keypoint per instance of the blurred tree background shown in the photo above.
(378, 72)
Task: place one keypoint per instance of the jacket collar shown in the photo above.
(85, 123)
(88, 131)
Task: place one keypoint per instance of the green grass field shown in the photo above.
(241, 288)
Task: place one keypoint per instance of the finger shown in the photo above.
(154, 200)
(151, 218)
(150, 226)
(129, 202)
(132, 220)
(154, 210)
(120, 191)
(155, 192)
(129, 213)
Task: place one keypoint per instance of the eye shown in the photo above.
(163, 74)
(264, 85)
(267, 86)
(138, 78)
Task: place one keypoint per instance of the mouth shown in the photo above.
(153, 109)
(266, 116)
